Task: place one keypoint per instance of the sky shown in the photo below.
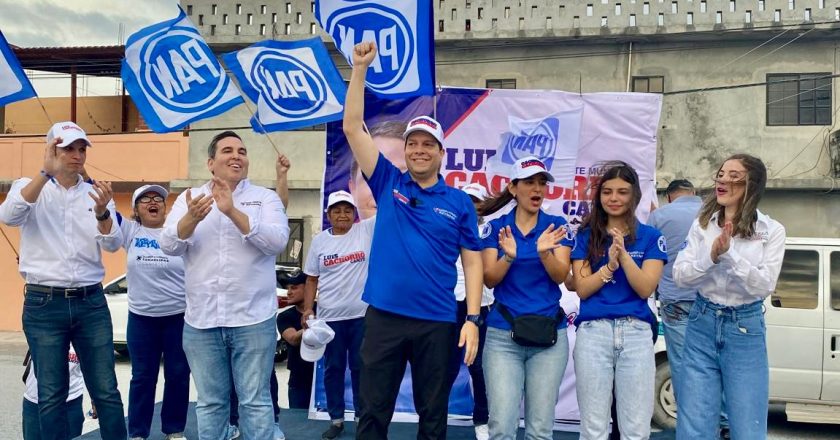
(58, 23)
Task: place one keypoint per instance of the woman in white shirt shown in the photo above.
(156, 305)
(337, 265)
(733, 256)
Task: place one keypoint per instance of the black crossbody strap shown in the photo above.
(504, 312)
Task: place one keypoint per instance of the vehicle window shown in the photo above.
(798, 285)
(835, 280)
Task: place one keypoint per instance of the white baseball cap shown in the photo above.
(338, 197)
(427, 124)
(529, 166)
(315, 338)
(475, 190)
(146, 188)
(68, 131)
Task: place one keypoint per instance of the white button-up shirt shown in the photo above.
(60, 242)
(230, 278)
(746, 273)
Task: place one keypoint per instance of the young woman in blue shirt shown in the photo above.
(617, 262)
(525, 258)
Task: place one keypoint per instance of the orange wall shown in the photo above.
(95, 114)
(127, 160)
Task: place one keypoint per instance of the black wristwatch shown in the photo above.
(475, 319)
(105, 216)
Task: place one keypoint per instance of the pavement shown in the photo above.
(13, 347)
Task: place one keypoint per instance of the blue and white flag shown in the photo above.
(294, 83)
(402, 29)
(14, 85)
(173, 76)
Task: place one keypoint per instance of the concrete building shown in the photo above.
(752, 76)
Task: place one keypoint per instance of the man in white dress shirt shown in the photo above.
(229, 233)
(65, 222)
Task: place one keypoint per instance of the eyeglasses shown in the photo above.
(148, 199)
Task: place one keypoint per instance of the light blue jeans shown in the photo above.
(614, 353)
(248, 354)
(675, 321)
(510, 368)
(728, 352)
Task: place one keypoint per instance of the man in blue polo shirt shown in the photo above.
(422, 226)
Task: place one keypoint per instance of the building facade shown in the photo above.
(755, 76)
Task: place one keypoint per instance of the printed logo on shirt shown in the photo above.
(661, 244)
(146, 243)
(400, 197)
(448, 214)
(157, 260)
(684, 245)
(73, 358)
(353, 257)
(485, 230)
(251, 203)
(761, 235)
(637, 254)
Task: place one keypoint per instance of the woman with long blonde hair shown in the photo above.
(733, 256)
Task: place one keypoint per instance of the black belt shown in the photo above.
(67, 292)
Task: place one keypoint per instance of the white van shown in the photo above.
(803, 337)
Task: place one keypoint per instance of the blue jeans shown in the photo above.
(728, 352)
(149, 339)
(510, 368)
(675, 322)
(32, 422)
(614, 354)
(344, 348)
(51, 322)
(246, 352)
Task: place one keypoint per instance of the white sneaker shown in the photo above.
(482, 432)
(278, 433)
(176, 435)
(232, 432)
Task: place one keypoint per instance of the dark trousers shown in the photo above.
(275, 393)
(149, 339)
(299, 395)
(32, 422)
(51, 322)
(343, 349)
(481, 413)
(390, 341)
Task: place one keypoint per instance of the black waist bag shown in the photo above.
(532, 330)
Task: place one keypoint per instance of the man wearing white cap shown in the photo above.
(337, 266)
(229, 233)
(422, 226)
(65, 223)
(156, 305)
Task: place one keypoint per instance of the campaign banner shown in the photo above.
(479, 126)
(293, 83)
(173, 77)
(402, 30)
(14, 85)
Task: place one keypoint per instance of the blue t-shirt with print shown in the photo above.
(417, 239)
(526, 289)
(617, 299)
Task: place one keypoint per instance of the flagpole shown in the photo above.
(10, 243)
(254, 116)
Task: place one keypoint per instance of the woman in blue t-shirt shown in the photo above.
(617, 262)
(525, 259)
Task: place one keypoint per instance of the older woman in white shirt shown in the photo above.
(733, 257)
